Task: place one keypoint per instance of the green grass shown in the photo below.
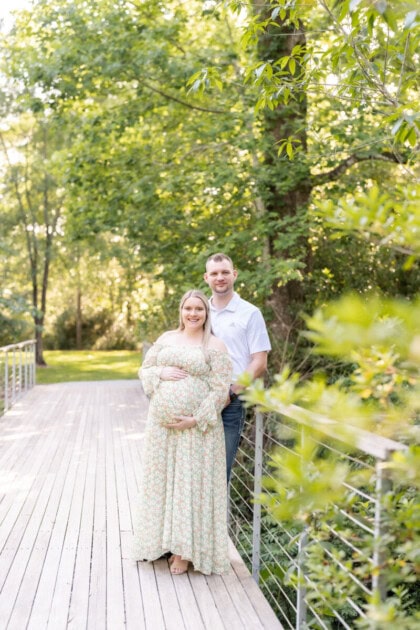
(86, 365)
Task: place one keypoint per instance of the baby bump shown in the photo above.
(178, 398)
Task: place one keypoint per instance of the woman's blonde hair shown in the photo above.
(196, 293)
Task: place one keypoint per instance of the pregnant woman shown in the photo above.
(183, 502)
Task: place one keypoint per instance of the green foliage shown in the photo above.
(63, 335)
(159, 150)
(393, 220)
(304, 482)
(368, 59)
(14, 327)
(378, 337)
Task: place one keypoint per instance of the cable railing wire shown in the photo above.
(279, 562)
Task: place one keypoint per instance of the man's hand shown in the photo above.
(172, 374)
(183, 422)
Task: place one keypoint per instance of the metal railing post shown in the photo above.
(256, 520)
(26, 367)
(13, 397)
(383, 485)
(301, 588)
(20, 370)
(6, 381)
(33, 381)
(301, 607)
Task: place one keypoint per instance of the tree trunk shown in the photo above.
(287, 186)
(78, 318)
(39, 353)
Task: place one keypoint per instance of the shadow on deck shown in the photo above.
(69, 471)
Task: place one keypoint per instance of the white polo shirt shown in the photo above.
(241, 326)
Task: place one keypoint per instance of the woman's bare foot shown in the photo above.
(178, 565)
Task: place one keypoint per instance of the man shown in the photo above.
(241, 326)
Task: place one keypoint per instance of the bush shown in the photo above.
(117, 337)
(63, 335)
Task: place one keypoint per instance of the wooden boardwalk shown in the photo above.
(69, 472)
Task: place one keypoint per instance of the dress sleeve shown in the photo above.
(149, 373)
(219, 380)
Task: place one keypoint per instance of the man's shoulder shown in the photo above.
(246, 306)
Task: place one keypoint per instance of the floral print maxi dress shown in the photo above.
(183, 500)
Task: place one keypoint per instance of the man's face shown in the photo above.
(220, 276)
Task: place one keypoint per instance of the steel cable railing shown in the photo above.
(17, 371)
(348, 536)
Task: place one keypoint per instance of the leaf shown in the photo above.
(409, 263)
(381, 6)
(275, 13)
(410, 18)
(292, 65)
(344, 10)
(258, 71)
(354, 5)
(396, 126)
(412, 137)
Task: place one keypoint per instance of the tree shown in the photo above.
(175, 174)
(32, 202)
(359, 57)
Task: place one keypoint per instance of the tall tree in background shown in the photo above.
(353, 64)
(32, 204)
(285, 191)
(174, 175)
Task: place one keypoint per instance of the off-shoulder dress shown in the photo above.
(183, 503)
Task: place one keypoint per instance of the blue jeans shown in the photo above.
(233, 417)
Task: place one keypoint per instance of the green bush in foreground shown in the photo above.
(380, 338)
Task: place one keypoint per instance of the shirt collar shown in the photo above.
(231, 306)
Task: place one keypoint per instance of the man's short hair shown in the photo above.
(220, 257)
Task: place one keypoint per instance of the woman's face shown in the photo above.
(193, 313)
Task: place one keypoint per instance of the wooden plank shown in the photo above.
(79, 601)
(115, 592)
(97, 591)
(240, 600)
(66, 524)
(262, 607)
(151, 603)
(188, 604)
(132, 593)
(58, 617)
(18, 433)
(121, 411)
(27, 525)
(44, 595)
(230, 616)
(29, 456)
(167, 594)
(18, 508)
(210, 614)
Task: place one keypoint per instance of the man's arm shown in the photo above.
(256, 368)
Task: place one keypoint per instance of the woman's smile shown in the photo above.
(193, 313)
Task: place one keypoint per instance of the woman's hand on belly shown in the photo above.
(182, 422)
(172, 374)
